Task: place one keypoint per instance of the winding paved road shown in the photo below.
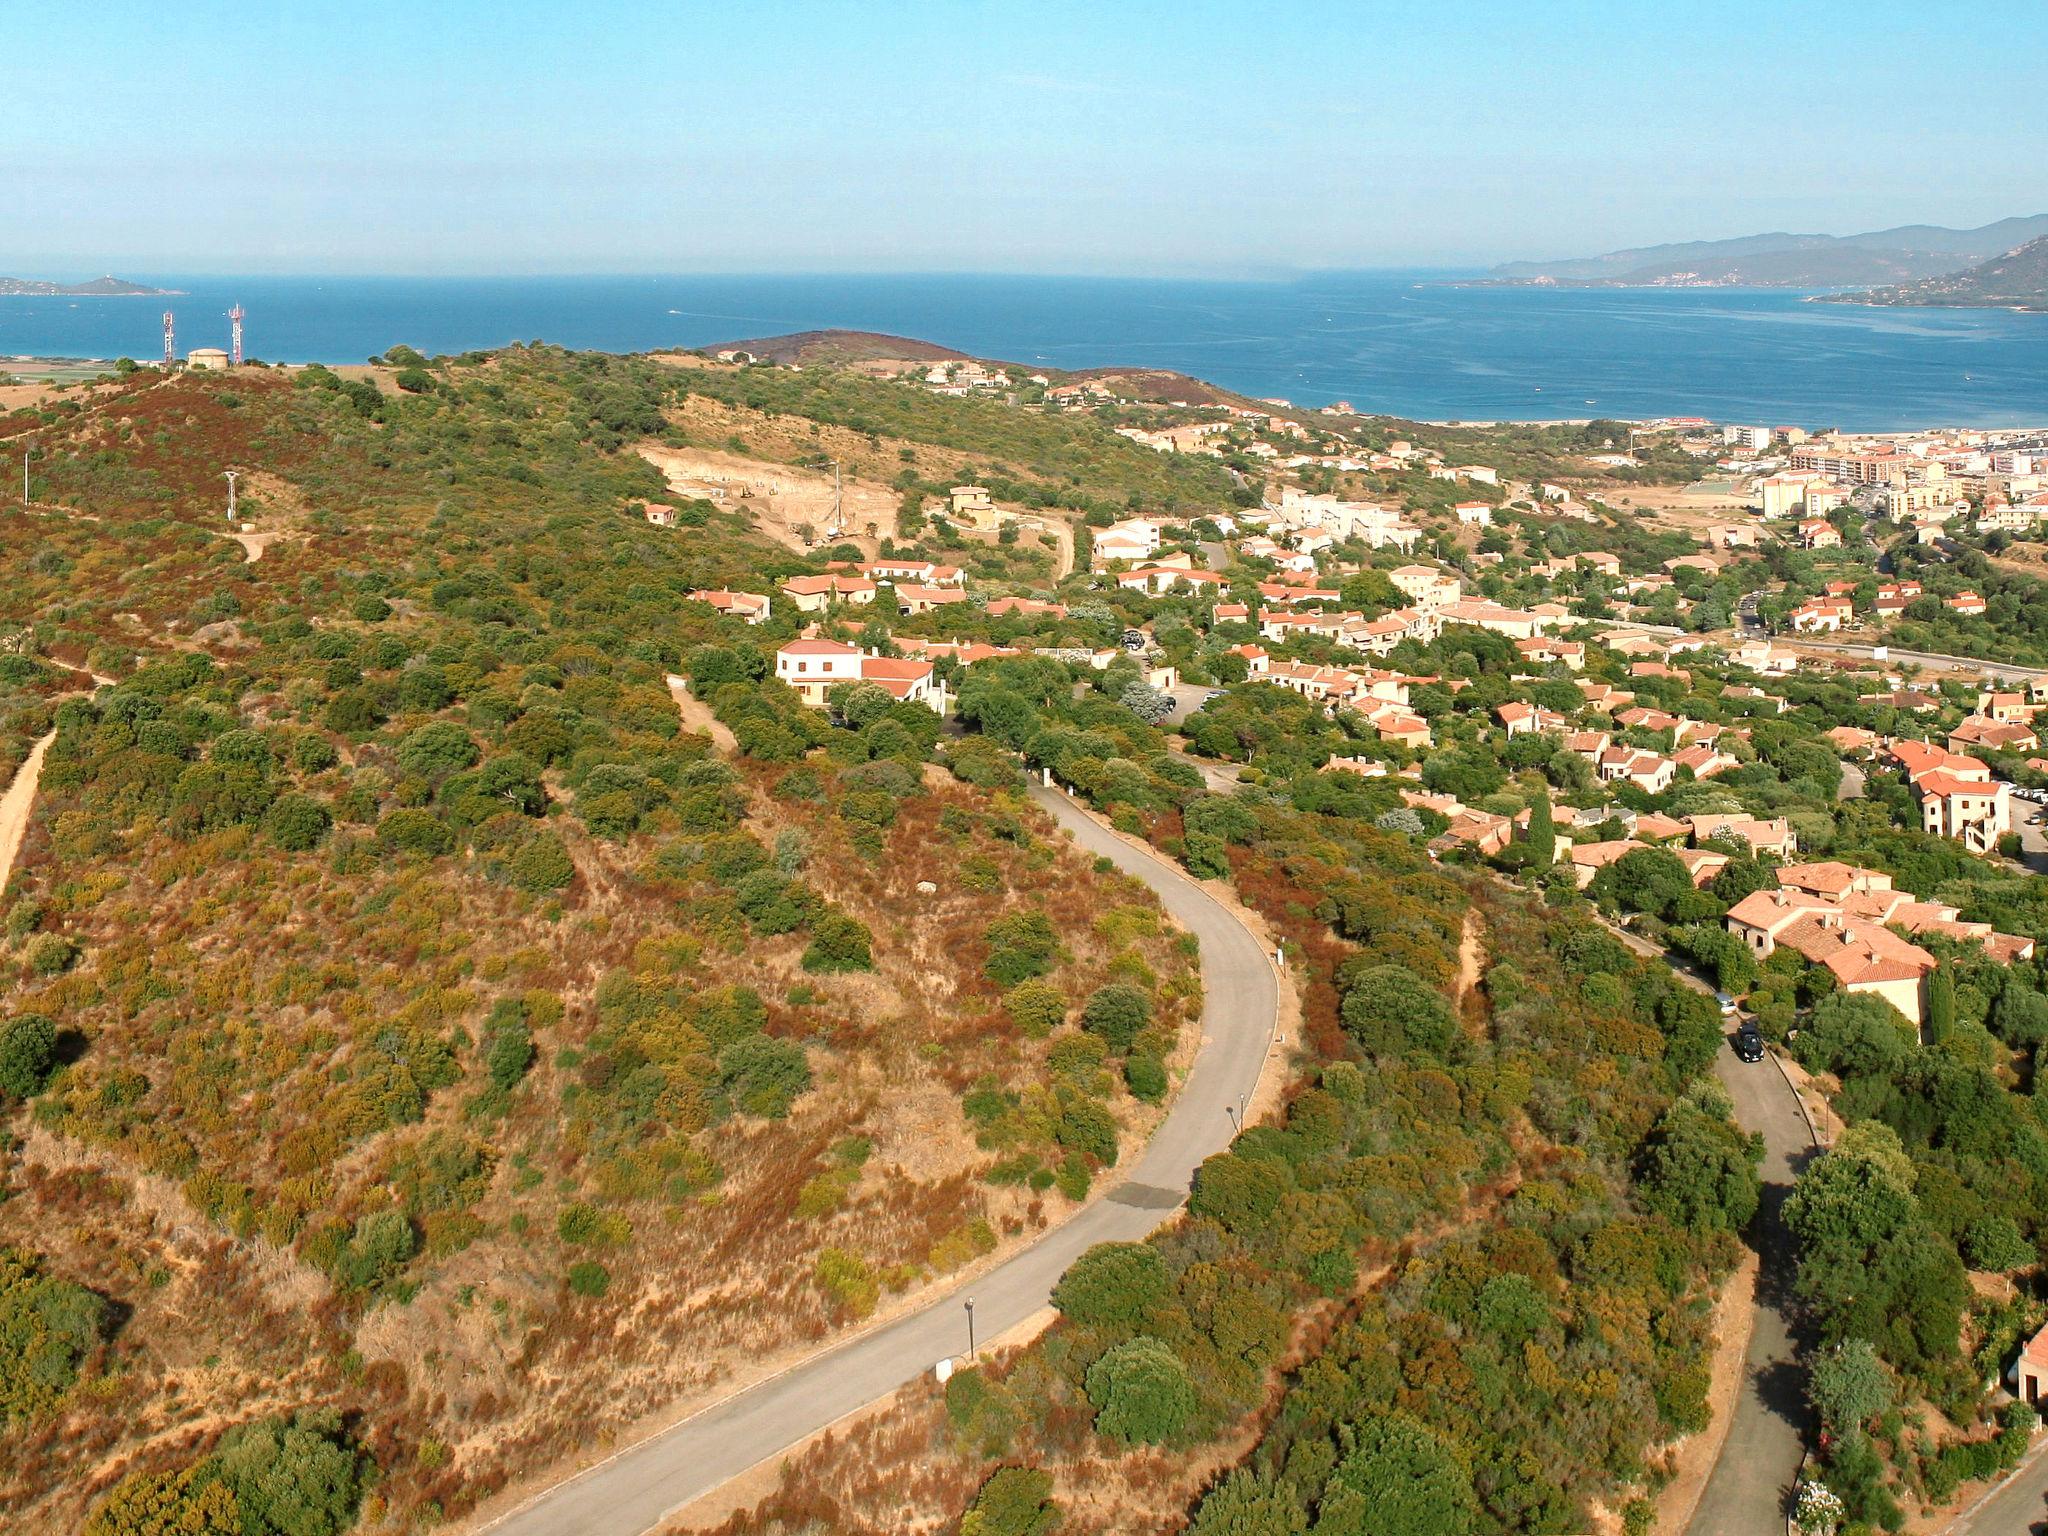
(632, 1491)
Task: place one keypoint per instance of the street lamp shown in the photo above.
(1235, 1128)
(970, 1328)
(26, 455)
(229, 476)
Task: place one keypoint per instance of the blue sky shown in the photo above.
(922, 135)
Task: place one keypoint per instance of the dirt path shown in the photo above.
(697, 716)
(16, 803)
(1471, 956)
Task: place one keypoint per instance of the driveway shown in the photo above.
(1750, 1488)
(631, 1491)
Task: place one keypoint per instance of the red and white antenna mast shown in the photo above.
(170, 353)
(235, 315)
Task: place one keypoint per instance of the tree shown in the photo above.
(1141, 1392)
(1113, 1286)
(297, 823)
(1644, 880)
(28, 1054)
(293, 1477)
(1699, 1169)
(1850, 1386)
(1397, 1478)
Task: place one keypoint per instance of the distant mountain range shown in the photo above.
(98, 288)
(1908, 254)
(2018, 279)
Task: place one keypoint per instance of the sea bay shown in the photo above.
(1401, 343)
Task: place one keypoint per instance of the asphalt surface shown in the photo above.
(2020, 1508)
(1750, 1488)
(633, 1490)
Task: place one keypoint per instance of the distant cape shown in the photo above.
(98, 288)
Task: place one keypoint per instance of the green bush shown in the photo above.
(1015, 1501)
(1141, 1392)
(296, 1476)
(1116, 1013)
(1389, 1009)
(839, 943)
(587, 1226)
(1114, 1287)
(380, 1246)
(416, 831)
(848, 1280)
(542, 865)
(761, 1075)
(1036, 1007)
(297, 823)
(1398, 1479)
(587, 1277)
(47, 1328)
(51, 954)
(1145, 1076)
(193, 1502)
(1020, 946)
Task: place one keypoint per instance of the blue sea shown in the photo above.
(1402, 343)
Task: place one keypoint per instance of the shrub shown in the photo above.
(51, 954)
(848, 1280)
(1401, 1479)
(189, 1503)
(47, 1328)
(1145, 1076)
(416, 831)
(761, 1075)
(1015, 1501)
(297, 823)
(1036, 1007)
(1141, 1392)
(1088, 1128)
(437, 749)
(370, 609)
(1389, 1009)
(377, 1249)
(839, 943)
(587, 1226)
(28, 1054)
(1116, 1013)
(542, 865)
(1020, 946)
(1113, 1286)
(587, 1277)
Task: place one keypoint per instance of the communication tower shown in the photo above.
(235, 346)
(170, 354)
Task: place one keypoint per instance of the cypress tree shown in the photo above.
(1941, 1005)
(1542, 833)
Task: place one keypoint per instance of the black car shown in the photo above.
(1749, 1043)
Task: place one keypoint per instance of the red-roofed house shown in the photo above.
(750, 606)
(814, 667)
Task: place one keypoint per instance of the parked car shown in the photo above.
(1749, 1043)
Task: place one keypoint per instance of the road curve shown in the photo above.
(1750, 1488)
(631, 1491)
